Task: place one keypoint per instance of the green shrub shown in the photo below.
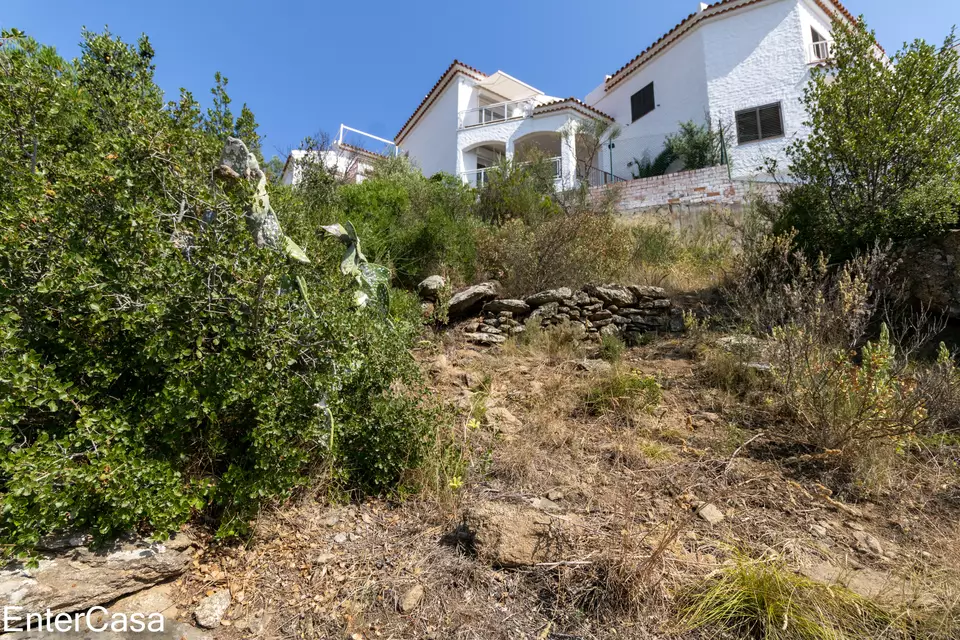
(698, 145)
(612, 349)
(646, 168)
(416, 225)
(623, 394)
(154, 362)
(883, 157)
(764, 599)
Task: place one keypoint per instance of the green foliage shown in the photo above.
(883, 158)
(612, 349)
(519, 189)
(764, 599)
(418, 226)
(622, 394)
(154, 363)
(647, 168)
(698, 145)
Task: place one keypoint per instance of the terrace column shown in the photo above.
(568, 156)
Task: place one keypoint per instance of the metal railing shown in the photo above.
(500, 112)
(820, 51)
(597, 177)
(478, 177)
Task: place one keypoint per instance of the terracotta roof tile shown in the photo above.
(563, 103)
(695, 18)
(445, 78)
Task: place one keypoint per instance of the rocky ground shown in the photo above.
(562, 524)
(570, 525)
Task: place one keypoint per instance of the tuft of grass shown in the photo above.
(763, 599)
(612, 349)
(557, 343)
(623, 394)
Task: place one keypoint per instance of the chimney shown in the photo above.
(703, 7)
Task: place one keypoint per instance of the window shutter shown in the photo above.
(771, 124)
(642, 102)
(748, 128)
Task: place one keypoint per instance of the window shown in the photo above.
(760, 123)
(821, 48)
(642, 102)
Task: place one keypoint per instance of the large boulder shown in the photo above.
(644, 292)
(516, 307)
(511, 535)
(551, 295)
(430, 288)
(611, 294)
(472, 298)
(70, 577)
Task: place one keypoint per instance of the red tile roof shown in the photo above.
(455, 67)
(694, 19)
(567, 103)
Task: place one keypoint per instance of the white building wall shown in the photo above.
(680, 94)
(432, 143)
(755, 57)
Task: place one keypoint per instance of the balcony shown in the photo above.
(479, 177)
(493, 113)
(818, 52)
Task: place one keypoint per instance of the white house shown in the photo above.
(741, 64)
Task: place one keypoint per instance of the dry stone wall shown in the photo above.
(627, 311)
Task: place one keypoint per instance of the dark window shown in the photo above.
(759, 123)
(642, 102)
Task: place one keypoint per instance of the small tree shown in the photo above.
(883, 156)
(697, 144)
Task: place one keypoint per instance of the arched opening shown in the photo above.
(479, 159)
(546, 143)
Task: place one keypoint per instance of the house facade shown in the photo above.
(740, 65)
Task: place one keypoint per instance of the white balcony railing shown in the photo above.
(820, 51)
(500, 112)
(478, 177)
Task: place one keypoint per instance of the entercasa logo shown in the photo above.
(95, 619)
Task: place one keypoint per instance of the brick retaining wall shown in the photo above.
(686, 189)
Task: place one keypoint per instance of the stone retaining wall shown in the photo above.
(596, 310)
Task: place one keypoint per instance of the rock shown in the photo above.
(430, 287)
(411, 599)
(472, 298)
(610, 293)
(603, 314)
(172, 630)
(545, 504)
(74, 578)
(609, 329)
(518, 307)
(158, 599)
(556, 495)
(501, 419)
(485, 339)
(490, 329)
(545, 312)
(644, 292)
(868, 543)
(210, 611)
(546, 297)
(341, 538)
(818, 530)
(510, 535)
(594, 366)
(710, 513)
(325, 558)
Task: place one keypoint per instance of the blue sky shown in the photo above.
(307, 66)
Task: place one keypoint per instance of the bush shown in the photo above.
(883, 157)
(154, 362)
(416, 225)
(764, 599)
(623, 394)
(698, 145)
(612, 349)
(646, 168)
(856, 413)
